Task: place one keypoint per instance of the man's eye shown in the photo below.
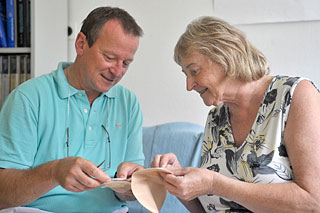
(109, 58)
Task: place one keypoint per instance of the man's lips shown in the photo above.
(108, 79)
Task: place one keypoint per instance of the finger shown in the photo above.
(80, 187)
(174, 180)
(167, 160)
(126, 169)
(180, 172)
(171, 187)
(73, 185)
(87, 180)
(134, 169)
(95, 173)
(156, 161)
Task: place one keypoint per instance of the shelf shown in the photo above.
(15, 50)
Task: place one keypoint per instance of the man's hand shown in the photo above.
(77, 174)
(125, 170)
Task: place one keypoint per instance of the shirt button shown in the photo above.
(90, 128)
(85, 110)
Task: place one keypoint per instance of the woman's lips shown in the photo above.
(203, 91)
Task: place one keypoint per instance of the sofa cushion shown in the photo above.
(181, 138)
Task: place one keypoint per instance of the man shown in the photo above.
(59, 132)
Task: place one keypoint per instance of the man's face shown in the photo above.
(108, 59)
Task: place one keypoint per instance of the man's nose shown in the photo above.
(118, 70)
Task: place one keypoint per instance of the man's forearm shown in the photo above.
(125, 197)
(20, 187)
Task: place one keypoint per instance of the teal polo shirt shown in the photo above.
(33, 124)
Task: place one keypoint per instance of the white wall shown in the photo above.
(286, 31)
(49, 35)
(288, 39)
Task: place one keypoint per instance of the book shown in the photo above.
(22, 23)
(10, 23)
(28, 67)
(13, 75)
(22, 69)
(1, 85)
(3, 24)
(27, 23)
(3, 35)
(15, 23)
(3, 13)
(4, 79)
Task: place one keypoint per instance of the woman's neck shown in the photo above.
(248, 97)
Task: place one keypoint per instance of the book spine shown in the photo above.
(5, 78)
(20, 24)
(1, 85)
(15, 23)
(28, 67)
(3, 36)
(27, 23)
(22, 76)
(10, 23)
(3, 13)
(14, 76)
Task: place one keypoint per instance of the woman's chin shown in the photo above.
(211, 103)
(207, 103)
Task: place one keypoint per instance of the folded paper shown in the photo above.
(120, 185)
(148, 187)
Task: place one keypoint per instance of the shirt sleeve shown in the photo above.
(134, 152)
(18, 132)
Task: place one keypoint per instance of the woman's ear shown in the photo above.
(80, 43)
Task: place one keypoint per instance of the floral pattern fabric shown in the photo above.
(262, 158)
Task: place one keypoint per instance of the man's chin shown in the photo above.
(106, 88)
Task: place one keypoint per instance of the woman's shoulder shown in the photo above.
(290, 81)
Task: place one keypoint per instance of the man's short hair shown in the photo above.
(96, 19)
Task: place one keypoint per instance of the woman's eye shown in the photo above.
(126, 63)
(194, 71)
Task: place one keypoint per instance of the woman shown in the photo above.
(261, 144)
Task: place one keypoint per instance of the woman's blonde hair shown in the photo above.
(224, 44)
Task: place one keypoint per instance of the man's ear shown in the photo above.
(81, 42)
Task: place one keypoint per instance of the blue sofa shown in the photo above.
(181, 138)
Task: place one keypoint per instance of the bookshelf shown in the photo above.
(48, 37)
(17, 50)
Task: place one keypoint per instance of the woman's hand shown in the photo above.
(189, 183)
(168, 161)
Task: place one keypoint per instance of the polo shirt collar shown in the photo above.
(63, 85)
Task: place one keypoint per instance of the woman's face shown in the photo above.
(205, 77)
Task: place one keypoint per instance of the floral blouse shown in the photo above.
(262, 158)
